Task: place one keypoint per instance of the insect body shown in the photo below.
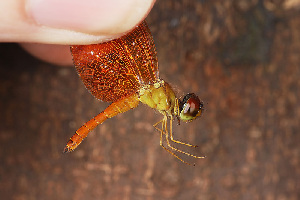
(125, 72)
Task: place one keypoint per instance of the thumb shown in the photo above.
(69, 21)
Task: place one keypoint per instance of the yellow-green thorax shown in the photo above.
(159, 96)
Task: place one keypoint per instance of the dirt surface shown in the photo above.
(241, 58)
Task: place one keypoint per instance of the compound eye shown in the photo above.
(191, 107)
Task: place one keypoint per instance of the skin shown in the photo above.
(46, 28)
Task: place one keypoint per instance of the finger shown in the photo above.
(69, 21)
(55, 54)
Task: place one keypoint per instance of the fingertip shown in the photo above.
(69, 21)
(91, 16)
(54, 54)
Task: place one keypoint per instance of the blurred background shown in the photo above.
(242, 59)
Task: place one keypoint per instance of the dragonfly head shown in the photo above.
(189, 108)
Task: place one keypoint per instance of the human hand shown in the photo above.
(44, 27)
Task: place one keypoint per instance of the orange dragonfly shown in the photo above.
(125, 72)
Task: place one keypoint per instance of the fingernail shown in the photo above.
(89, 16)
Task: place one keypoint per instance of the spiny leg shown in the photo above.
(165, 127)
(155, 125)
(164, 130)
(171, 133)
(177, 141)
(161, 143)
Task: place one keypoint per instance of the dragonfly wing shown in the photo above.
(143, 52)
(116, 69)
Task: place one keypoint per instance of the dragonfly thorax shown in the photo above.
(159, 96)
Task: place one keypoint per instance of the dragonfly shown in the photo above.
(125, 72)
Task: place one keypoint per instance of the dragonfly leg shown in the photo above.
(177, 141)
(171, 133)
(155, 125)
(173, 148)
(161, 142)
(164, 131)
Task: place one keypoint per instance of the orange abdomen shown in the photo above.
(112, 110)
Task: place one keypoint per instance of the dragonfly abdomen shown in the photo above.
(112, 110)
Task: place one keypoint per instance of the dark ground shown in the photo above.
(241, 58)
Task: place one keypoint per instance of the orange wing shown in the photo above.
(116, 69)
